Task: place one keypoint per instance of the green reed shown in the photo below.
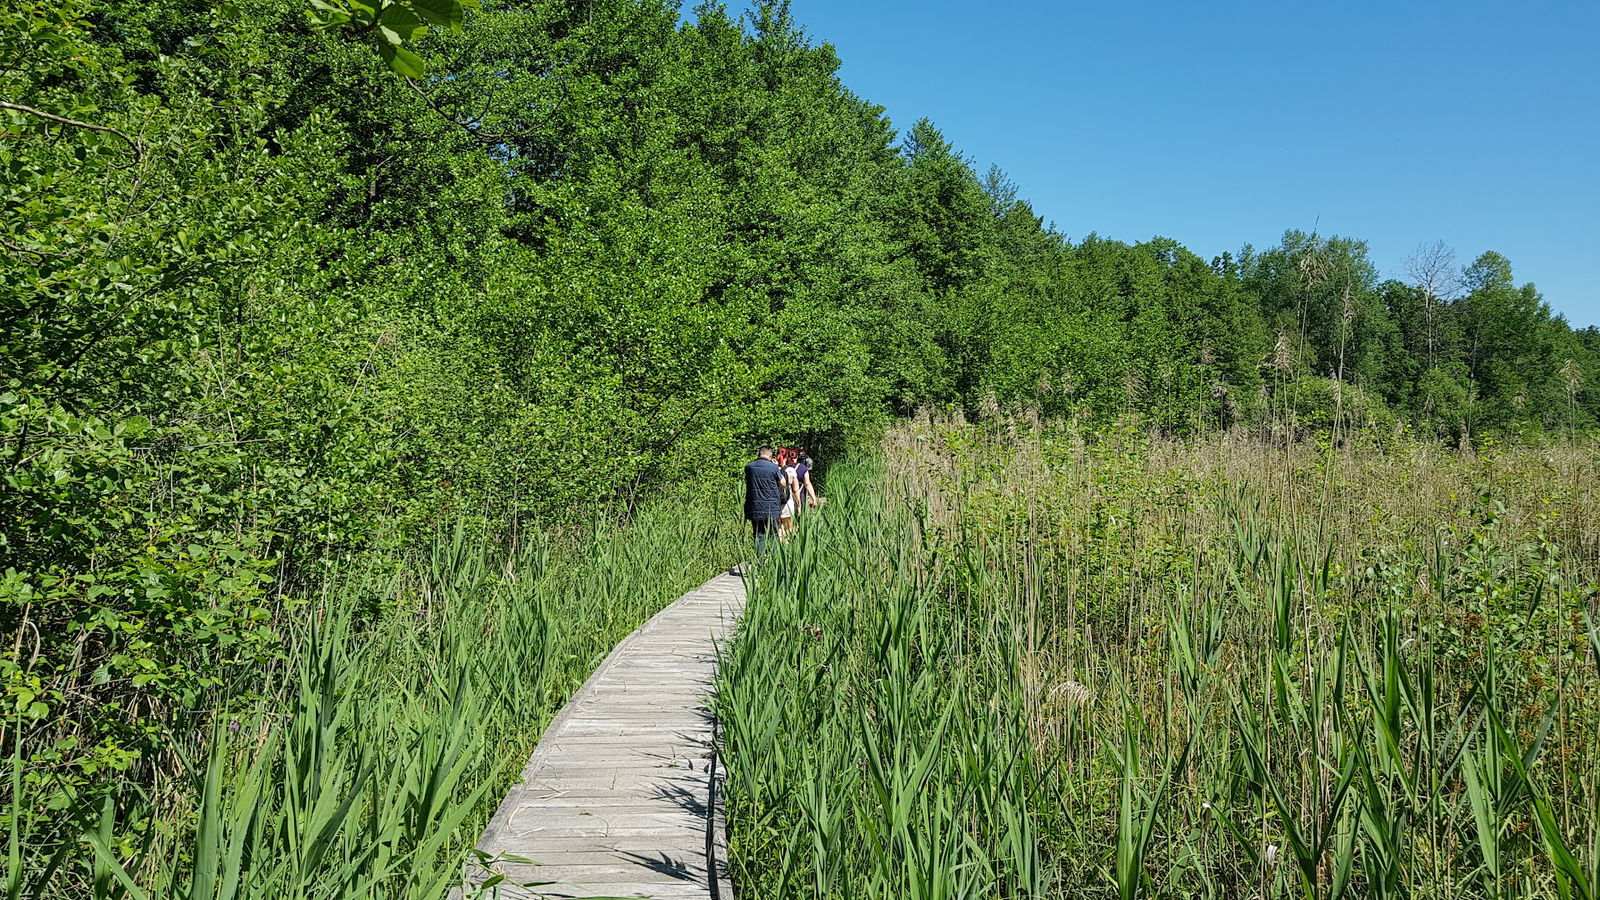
(1009, 661)
(404, 706)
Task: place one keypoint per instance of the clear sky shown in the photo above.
(1222, 123)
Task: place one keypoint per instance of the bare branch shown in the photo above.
(1432, 268)
(486, 138)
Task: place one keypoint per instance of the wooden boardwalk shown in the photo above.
(613, 802)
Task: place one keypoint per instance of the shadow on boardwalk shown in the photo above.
(613, 802)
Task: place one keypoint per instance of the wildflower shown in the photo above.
(1271, 856)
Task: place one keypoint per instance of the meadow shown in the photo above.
(1012, 659)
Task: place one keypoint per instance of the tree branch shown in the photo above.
(138, 151)
(488, 139)
(15, 248)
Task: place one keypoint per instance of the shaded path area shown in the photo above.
(613, 802)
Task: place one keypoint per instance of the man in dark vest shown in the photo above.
(763, 498)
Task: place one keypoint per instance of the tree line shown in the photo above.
(271, 306)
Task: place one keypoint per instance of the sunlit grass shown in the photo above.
(1015, 662)
(368, 765)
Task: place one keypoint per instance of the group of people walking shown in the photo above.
(777, 489)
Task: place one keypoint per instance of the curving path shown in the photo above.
(613, 802)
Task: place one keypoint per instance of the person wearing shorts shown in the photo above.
(791, 490)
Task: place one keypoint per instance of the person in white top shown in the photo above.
(791, 483)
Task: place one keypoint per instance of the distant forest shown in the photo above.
(268, 302)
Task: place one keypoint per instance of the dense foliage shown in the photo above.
(273, 308)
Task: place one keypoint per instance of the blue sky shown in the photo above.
(1223, 123)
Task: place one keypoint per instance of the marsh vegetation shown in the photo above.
(1017, 660)
(361, 756)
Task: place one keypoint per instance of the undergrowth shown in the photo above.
(363, 761)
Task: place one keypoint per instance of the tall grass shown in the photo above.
(865, 756)
(1012, 661)
(402, 709)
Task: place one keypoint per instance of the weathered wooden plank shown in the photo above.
(658, 869)
(562, 892)
(613, 801)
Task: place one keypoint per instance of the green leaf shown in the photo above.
(106, 857)
(403, 61)
(402, 22)
(443, 13)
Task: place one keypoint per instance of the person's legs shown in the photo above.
(786, 519)
(763, 532)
